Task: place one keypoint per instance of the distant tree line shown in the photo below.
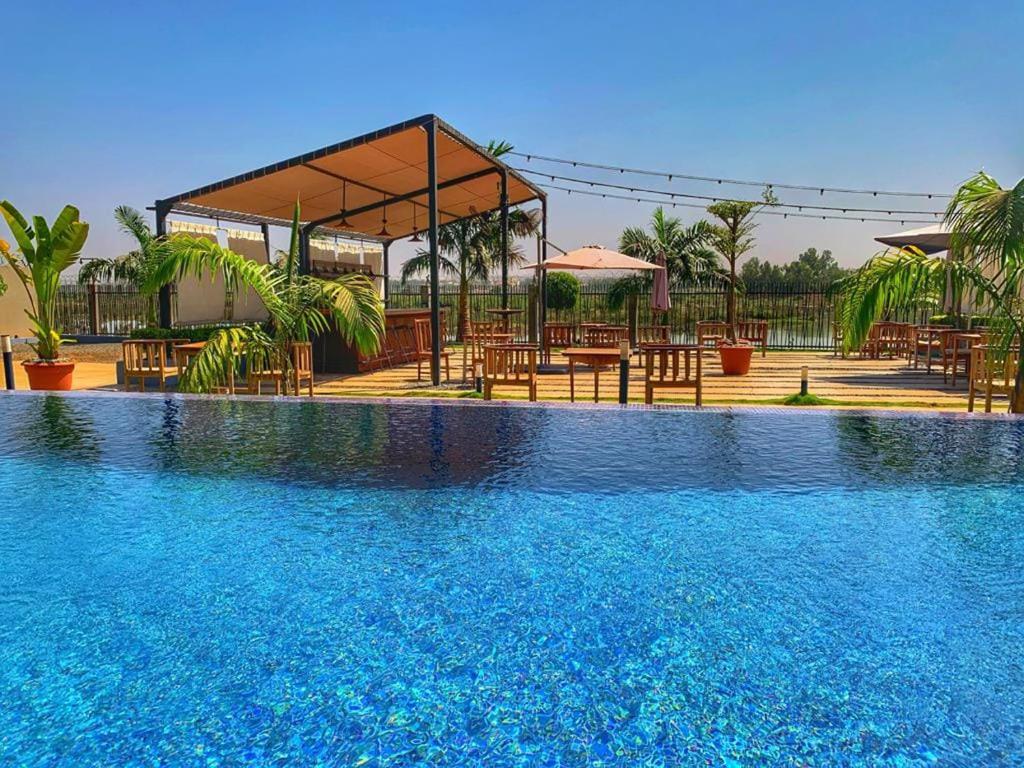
(811, 266)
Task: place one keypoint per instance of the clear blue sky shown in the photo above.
(124, 103)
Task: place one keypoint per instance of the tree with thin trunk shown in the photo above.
(731, 238)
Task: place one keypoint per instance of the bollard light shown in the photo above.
(623, 372)
(803, 380)
(478, 377)
(8, 355)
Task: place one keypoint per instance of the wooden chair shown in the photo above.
(480, 335)
(992, 372)
(424, 352)
(651, 334)
(556, 335)
(582, 329)
(146, 359)
(712, 331)
(927, 340)
(510, 365)
(884, 337)
(663, 369)
(605, 336)
(755, 332)
(261, 368)
(302, 366)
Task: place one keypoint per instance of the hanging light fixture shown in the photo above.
(415, 234)
(344, 223)
(384, 224)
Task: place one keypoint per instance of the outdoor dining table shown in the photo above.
(596, 357)
(505, 316)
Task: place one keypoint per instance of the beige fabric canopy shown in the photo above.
(931, 239)
(594, 257)
(354, 186)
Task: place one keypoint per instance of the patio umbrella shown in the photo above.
(931, 239)
(594, 257)
(660, 300)
(934, 238)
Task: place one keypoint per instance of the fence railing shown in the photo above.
(799, 316)
(105, 309)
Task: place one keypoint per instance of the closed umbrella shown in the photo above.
(660, 300)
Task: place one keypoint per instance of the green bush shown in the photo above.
(563, 291)
(961, 321)
(198, 333)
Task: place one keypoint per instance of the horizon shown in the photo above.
(149, 115)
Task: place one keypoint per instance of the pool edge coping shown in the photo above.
(547, 405)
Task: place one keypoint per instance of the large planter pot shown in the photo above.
(735, 359)
(54, 376)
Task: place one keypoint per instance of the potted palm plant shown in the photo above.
(44, 252)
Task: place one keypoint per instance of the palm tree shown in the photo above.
(470, 248)
(298, 305)
(684, 249)
(134, 267)
(987, 235)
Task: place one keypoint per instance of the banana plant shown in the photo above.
(299, 306)
(44, 252)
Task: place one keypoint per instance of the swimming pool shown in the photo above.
(204, 582)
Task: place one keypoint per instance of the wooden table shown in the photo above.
(183, 354)
(971, 339)
(596, 357)
(506, 315)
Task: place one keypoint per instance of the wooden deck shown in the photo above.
(850, 382)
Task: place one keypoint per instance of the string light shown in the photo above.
(591, 183)
(763, 211)
(821, 190)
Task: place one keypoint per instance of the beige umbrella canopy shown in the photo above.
(593, 257)
(931, 239)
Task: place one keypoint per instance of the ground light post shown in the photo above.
(623, 372)
(5, 344)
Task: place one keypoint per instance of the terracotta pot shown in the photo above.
(49, 375)
(735, 359)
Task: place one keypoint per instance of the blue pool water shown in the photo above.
(212, 583)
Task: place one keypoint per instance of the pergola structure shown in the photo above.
(406, 179)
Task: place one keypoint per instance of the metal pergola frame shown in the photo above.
(431, 125)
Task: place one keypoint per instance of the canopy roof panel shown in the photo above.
(364, 180)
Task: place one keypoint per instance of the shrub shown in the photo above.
(563, 291)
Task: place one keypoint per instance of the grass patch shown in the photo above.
(808, 399)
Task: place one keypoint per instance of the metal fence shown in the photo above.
(799, 316)
(105, 309)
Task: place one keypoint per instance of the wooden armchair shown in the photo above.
(556, 335)
(260, 368)
(424, 351)
(302, 366)
(605, 336)
(510, 365)
(146, 359)
(753, 332)
(480, 335)
(651, 334)
(672, 366)
(992, 372)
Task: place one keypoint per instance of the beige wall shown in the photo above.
(13, 304)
